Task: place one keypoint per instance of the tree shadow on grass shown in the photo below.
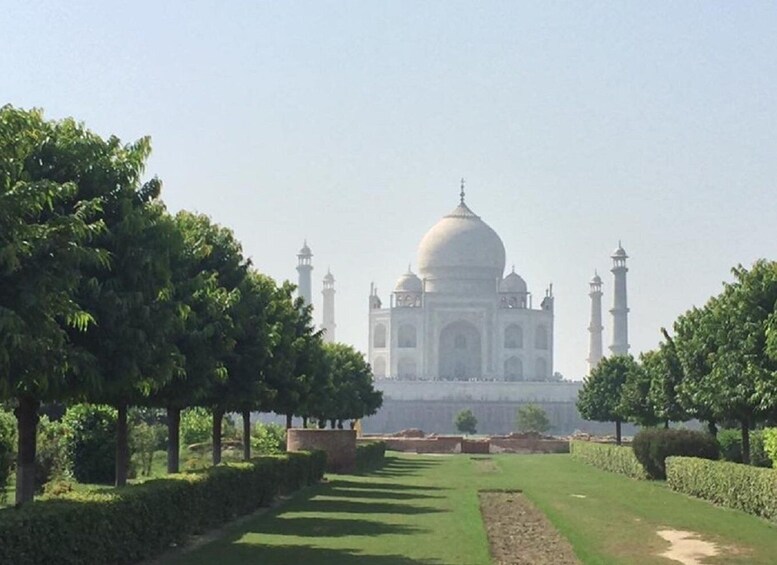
(304, 555)
(378, 494)
(329, 527)
(322, 505)
(376, 486)
(403, 467)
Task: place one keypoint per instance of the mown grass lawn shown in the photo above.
(423, 510)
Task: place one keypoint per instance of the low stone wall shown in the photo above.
(475, 446)
(339, 446)
(443, 444)
(528, 445)
(458, 444)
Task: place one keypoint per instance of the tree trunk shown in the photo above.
(288, 421)
(332, 424)
(618, 432)
(712, 428)
(322, 423)
(218, 416)
(27, 424)
(173, 440)
(339, 424)
(304, 422)
(122, 445)
(666, 424)
(746, 442)
(246, 435)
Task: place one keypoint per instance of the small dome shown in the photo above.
(329, 277)
(620, 252)
(409, 282)
(305, 250)
(461, 246)
(513, 283)
(597, 279)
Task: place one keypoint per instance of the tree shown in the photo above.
(289, 372)
(666, 374)
(48, 229)
(198, 335)
(695, 348)
(466, 422)
(741, 385)
(600, 397)
(131, 299)
(254, 344)
(348, 392)
(636, 405)
(532, 418)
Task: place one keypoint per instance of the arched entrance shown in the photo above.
(460, 352)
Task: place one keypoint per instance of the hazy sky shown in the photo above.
(350, 124)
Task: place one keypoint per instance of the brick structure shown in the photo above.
(339, 446)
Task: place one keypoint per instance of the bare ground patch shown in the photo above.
(687, 547)
(519, 534)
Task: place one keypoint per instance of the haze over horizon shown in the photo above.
(350, 124)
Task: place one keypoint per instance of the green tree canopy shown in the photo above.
(532, 418)
(466, 422)
(600, 397)
(49, 227)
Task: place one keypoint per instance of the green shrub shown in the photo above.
(614, 458)
(742, 487)
(370, 455)
(145, 440)
(770, 445)
(532, 418)
(92, 442)
(7, 448)
(196, 426)
(653, 445)
(267, 439)
(731, 447)
(138, 522)
(52, 459)
(466, 422)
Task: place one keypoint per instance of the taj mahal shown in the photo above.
(459, 318)
(460, 334)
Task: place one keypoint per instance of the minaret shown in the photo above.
(620, 309)
(305, 268)
(595, 327)
(328, 317)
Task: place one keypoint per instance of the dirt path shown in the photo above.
(519, 534)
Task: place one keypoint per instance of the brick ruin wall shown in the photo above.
(339, 445)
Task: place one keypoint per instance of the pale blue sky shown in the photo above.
(350, 123)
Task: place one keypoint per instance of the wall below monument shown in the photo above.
(494, 417)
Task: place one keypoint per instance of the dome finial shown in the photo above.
(461, 194)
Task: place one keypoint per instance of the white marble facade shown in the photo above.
(460, 318)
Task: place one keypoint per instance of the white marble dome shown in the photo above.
(409, 282)
(513, 283)
(463, 246)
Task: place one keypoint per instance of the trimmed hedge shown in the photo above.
(750, 489)
(653, 445)
(140, 521)
(370, 455)
(614, 458)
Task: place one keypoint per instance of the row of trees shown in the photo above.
(105, 297)
(719, 365)
(528, 418)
